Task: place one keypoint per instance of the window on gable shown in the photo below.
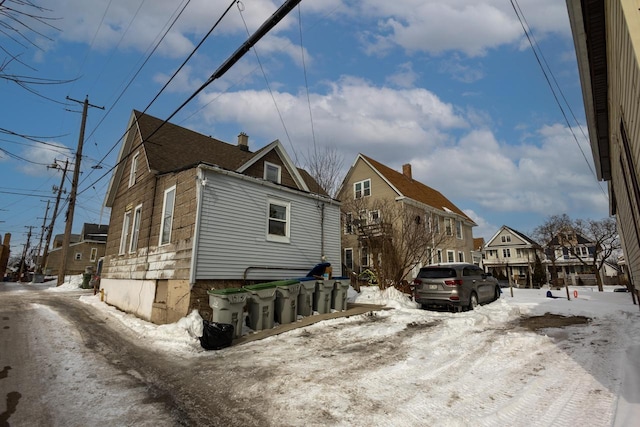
(135, 229)
(362, 189)
(506, 239)
(78, 256)
(167, 215)
(94, 254)
(278, 221)
(459, 229)
(134, 169)
(272, 172)
(124, 237)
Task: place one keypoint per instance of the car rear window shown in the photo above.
(436, 273)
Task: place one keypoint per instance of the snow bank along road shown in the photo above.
(401, 367)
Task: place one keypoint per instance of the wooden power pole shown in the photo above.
(45, 254)
(66, 242)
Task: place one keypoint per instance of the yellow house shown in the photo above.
(607, 40)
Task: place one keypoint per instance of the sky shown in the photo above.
(429, 368)
(453, 88)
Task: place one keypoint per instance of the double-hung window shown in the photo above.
(124, 237)
(134, 169)
(348, 223)
(362, 189)
(94, 254)
(448, 226)
(167, 215)
(135, 229)
(459, 229)
(278, 222)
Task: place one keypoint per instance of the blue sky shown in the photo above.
(451, 87)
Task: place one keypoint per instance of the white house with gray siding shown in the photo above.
(190, 213)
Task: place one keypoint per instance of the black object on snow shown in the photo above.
(550, 295)
(318, 270)
(216, 336)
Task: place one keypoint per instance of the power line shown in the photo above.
(546, 76)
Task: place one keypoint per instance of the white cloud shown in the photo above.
(41, 156)
(468, 26)
(405, 77)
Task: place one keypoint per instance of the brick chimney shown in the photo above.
(243, 141)
(406, 170)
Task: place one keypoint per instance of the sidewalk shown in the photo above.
(352, 310)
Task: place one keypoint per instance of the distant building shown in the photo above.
(85, 249)
(511, 255)
(5, 251)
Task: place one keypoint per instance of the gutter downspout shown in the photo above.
(200, 186)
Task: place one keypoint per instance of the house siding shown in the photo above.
(233, 232)
(623, 49)
(151, 261)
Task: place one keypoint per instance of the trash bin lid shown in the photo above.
(226, 291)
(268, 285)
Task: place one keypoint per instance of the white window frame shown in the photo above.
(506, 253)
(135, 229)
(94, 255)
(365, 189)
(458, 229)
(436, 224)
(134, 169)
(278, 171)
(366, 256)
(374, 217)
(167, 215)
(350, 267)
(448, 229)
(287, 221)
(348, 223)
(451, 256)
(460, 256)
(124, 237)
(78, 256)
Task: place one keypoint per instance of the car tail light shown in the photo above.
(456, 282)
(454, 298)
(416, 282)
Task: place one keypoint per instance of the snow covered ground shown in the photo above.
(412, 367)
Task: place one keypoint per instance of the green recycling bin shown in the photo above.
(228, 307)
(286, 303)
(322, 296)
(339, 293)
(261, 305)
(305, 297)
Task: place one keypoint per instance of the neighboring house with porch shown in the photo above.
(511, 256)
(370, 188)
(569, 259)
(191, 213)
(85, 249)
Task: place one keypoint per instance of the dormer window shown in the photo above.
(272, 172)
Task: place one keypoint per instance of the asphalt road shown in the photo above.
(63, 364)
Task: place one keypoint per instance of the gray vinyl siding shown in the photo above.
(233, 232)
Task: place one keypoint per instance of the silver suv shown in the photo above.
(457, 285)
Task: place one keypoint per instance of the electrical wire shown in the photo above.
(546, 76)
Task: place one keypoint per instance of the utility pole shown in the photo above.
(45, 254)
(74, 189)
(44, 225)
(24, 254)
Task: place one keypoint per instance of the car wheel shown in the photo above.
(473, 301)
